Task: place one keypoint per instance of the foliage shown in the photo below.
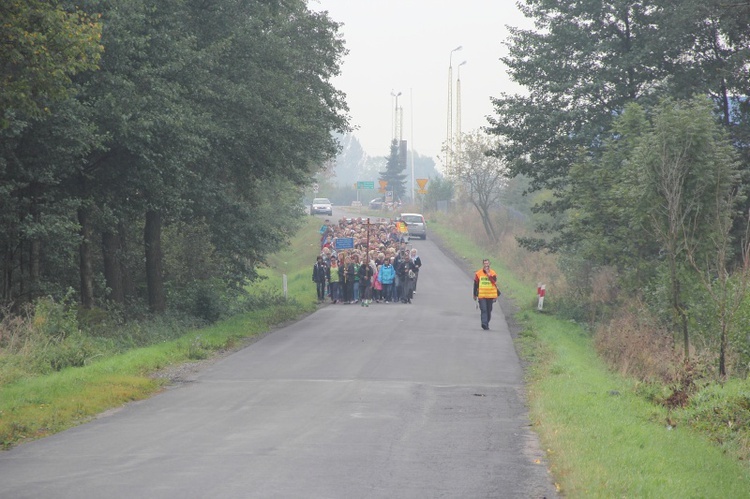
(392, 174)
(438, 189)
(44, 45)
(584, 63)
(479, 176)
(658, 199)
(739, 341)
(201, 121)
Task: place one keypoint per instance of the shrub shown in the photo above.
(739, 340)
(74, 351)
(56, 320)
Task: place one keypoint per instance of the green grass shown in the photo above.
(296, 261)
(32, 407)
(601, 438)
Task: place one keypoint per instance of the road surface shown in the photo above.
(388, 401)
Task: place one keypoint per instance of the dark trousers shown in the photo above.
(348, 291)
(335, 292)
(365, 291)
(388, 292)
(485, 309)
(321, 287)
(406, 289)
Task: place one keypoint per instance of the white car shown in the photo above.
(321, 205)
(415, 224)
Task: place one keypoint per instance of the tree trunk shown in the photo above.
(34, 266)
(484, 213)
(723, 351)
(681, 323)
(7, 273)
(128, 282)
(157, 302)
(112, 248)
(87, 279)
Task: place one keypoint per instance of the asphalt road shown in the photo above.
(388, 401)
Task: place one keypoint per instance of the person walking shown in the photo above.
(349, 274)
(356, 292)
(334, 280)
(320, 277)
(365, 272)
(418, 264)
(485, 292)
(386, 275)
(397, 268)
(377, 286)
(404, 270)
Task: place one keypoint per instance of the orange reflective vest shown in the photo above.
(486, 284)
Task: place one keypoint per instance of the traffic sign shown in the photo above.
(366, 185)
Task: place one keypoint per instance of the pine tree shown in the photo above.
(392, 174)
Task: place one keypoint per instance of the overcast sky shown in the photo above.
(405, 46)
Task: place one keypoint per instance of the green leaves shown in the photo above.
(44, 45)
(586, 61)
(204, 113)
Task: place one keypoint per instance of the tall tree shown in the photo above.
(263, 87)
(599, 193)
(582, 65)
(213, 114)
(141, 106)
(683, 176)
(44, 45)
(663, 193)
(439, 190)
(393, 173)
(480, 176)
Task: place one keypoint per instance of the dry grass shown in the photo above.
(635, 345)
(532, 267)
(631, 342)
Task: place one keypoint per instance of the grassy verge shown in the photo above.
(601, 438)
(39, 406)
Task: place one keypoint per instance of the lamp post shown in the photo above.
(411, 138)
(449, 131)
(458, 108)
(396, 124)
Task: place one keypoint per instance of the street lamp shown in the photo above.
(458, 108)
(449, 131)
(396, 127)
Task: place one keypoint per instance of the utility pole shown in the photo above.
(449, 131)
(458, 109)
(411, 138)
(397, 118)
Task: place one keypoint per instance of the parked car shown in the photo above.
(376, 204)
(415, 224)
(322, 206)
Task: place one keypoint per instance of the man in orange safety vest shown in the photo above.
(485, 291)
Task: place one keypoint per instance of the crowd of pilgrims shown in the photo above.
(379, 267)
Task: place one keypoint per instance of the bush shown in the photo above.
(56, 320)
(209, 305)
(739, 340)
(74, 351)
